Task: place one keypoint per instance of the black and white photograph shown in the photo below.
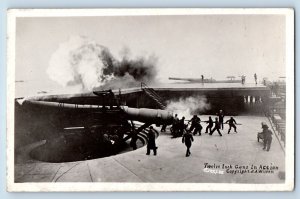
(150, 100)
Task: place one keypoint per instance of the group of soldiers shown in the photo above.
(243, 77)
(179, 127)
(187, 138)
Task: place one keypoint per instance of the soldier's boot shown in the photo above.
(187, 154)
(148, 151)
(220, 133)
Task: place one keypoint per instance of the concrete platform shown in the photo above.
(171, 165)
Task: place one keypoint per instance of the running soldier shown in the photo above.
(195, 125)
(187, 138)
(210, 125)
(232, 124)
(217, 127)
(181, 127)
(175, 126)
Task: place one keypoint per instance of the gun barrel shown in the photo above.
(146, 115)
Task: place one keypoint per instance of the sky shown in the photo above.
(186, 46)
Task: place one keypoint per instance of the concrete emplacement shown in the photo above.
(214, 159)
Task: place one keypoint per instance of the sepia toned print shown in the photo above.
(150, 100)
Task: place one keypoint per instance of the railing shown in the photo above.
(151, 93)
(279, 127)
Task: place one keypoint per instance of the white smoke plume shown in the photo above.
(189, 106)
(77, 61)
(81, 61)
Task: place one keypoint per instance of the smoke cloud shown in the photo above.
(81, 61)
(189, 106)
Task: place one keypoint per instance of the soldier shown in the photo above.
(231, 123)
(195, 125)
(163, 128)
(267, 135)
(187, 138)
(210, 125)
(134, 138)
(217, 127)
(151, 142)
(265, 81)
(255, 78)
(175, 126)
(221, 119)
(176, 118)
(243, 79)
(181, 126)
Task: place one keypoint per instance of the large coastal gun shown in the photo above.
(200, 80)
(84, 130)
(107, 119)
(145, 115)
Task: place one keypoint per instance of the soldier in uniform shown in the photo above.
(134, 138)
(243, 79)
(217, 127)
(181, 126)
(231, 123)
(210, 125)
(175, 125)
(221, 119)
(187, 138)
(163, 128)
(195, 125)
(267, 135)
(151, 142)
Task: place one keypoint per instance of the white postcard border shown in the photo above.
(55, 187)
